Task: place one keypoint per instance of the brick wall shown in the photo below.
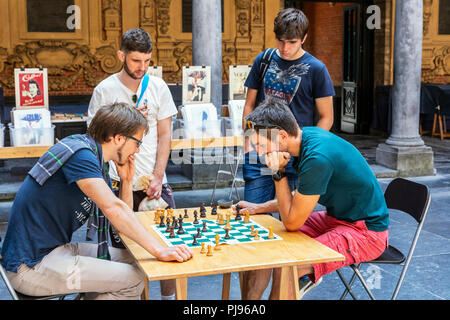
(325, 35)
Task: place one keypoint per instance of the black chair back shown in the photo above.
(408, 196)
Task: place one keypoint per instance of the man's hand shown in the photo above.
(277, 160)
(154, 189)
(252, 208)
(179, 253)
(126, 171)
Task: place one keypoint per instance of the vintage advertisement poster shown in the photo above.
(31, 88)
(238, 75)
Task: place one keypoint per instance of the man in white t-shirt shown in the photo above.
(155, 101)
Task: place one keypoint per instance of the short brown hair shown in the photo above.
(273, 113)
(114, 119)
(291, 23)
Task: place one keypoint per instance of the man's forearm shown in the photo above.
(162, 156)
(284, 198)
(126, 193)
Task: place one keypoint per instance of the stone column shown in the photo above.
(207, 43)
(404, 150)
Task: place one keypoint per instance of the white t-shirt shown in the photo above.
(160, 105)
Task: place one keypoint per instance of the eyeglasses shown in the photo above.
(139, 142)
(252, 125)
(134, 97)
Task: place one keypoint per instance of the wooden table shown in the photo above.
(177, 144)
(295, 249)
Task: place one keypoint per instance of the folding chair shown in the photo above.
(18, 296)
(411, 198)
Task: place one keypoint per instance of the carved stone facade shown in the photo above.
(77, 61)
(435, 46)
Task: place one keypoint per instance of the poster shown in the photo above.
(155, 71)
(31, 88)
(237, 76)
(196, 84)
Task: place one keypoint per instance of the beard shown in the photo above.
(128, 71)
(120, 161)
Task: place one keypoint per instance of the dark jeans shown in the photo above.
(262, 189)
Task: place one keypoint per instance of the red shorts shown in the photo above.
(351, 239)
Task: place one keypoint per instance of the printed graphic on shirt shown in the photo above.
(284, 83)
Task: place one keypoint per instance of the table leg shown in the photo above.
(289, 284)
(145, 295)
(226, 286)
(181, 288)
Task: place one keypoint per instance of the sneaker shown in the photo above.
(305, 285)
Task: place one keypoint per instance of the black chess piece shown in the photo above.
(186, 214)
(175, 223)
(194, 243)
(214, 209)
(168, 224)
(161, 224)
(172, 233)
(227, 235)
(199, 235)
(204, 227)
(195, 218)
(181, 230)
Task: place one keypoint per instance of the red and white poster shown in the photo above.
(31, 88)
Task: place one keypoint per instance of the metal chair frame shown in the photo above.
(394, 201)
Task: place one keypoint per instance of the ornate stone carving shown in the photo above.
(183, 58)
(163, 15)
(65, 62)
(426, 15)
(440, 70)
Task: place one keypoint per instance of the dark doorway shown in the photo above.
(349, 61)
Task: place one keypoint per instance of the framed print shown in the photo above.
(31, 88)
(155, 71)
(236, 88)
(196, 84)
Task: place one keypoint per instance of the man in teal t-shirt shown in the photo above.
(332, 173)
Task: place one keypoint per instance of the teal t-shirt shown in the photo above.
(334, 169)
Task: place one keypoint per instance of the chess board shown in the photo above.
(239, 233)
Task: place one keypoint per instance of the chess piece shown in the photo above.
(217, 247)
(204, 227)
(199, 235)
(172, 233)
(168, 224)
(195, 217)
(161, 224)
(227, 235)
(270, 233)
(247, 217)
(214, 209)
(194, 243)
(252, 233)
(180, 229)
(186, 214)
(202, 210)
(221, 219)
(209, 253)
(203, 250)
(228, 225)
(238, 214)
(217, 237)
(256, 235)
(157, 215)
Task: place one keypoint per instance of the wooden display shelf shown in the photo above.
(177, 144)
